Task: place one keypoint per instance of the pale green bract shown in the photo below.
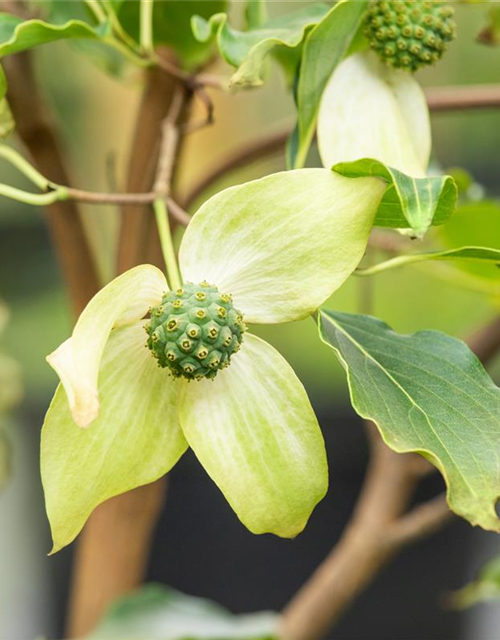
(374, 120)
(252, 428)
(369, 110)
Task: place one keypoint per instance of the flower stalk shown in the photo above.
(167, 245)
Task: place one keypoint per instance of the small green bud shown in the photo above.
(194, 331)
(409, 34)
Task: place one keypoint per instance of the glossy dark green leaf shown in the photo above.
(408, 203)
(325, 46)
(427, 393)
(248, 50)
(467, 254)
(159, 613)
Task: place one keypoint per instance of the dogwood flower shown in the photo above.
(370, 110)
(267, 251)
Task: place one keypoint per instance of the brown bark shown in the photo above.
(112, 553)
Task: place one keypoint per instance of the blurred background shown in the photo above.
(200, 547)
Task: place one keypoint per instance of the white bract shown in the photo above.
(370, 110)
(280, 246)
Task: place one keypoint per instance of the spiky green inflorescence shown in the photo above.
(409, 34)
(195, 331)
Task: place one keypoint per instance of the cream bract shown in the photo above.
(369, 110)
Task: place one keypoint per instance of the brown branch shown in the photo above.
(360, 554)
(113, 550)
(138, 239)
(36, 132)
(241, 157)
(454, 98)
(378, 529)
(465, 97)
(420, 522)
(93, 197)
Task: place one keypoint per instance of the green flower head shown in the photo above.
(267, 251)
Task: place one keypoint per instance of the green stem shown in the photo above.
(167, 245)
(22, 165)
(96, 9)
(118, 28)
(147, 25)
(127, 53)
(37, 199)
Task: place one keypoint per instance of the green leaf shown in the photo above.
(414, 203)
(485, 588)
(160, 613)
(135, 440)
(474, 223)
(172, 26)
(427, 393)
(325, 46)
(18, 35)
(248, 50)
(474, 254)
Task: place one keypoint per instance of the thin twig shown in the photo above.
(91, 197)
(170, 136)
(453, 98)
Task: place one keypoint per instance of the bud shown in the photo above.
(409, 34)
(194, 331)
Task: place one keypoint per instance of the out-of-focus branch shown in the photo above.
(362, 551)
(36, 132)
(464, 97)
(113, 550)
(138, 238)
(378, 529)
(241, 157)
(454, 98)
